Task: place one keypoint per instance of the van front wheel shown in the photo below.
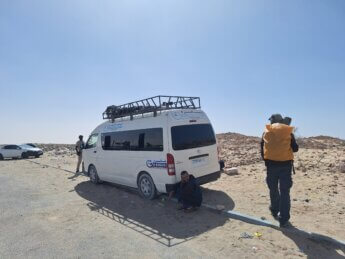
(147, 187)
(93, 175)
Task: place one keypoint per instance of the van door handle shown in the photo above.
(95, 151)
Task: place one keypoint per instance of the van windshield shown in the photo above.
(192, 136)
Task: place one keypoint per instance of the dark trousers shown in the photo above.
(187, 201)
(279, 182)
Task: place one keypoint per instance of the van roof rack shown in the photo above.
(151, 105)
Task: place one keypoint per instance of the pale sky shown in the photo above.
(62, 62)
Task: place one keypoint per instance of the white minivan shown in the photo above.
(149, 150)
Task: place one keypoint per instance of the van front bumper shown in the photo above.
(201, 180)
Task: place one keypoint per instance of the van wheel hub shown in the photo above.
(92, 174)
(145, 187)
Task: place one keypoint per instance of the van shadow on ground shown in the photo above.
(157, 219)
(216, 198)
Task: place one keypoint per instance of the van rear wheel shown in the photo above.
(93, 175)
(1, 157)
(147, 187)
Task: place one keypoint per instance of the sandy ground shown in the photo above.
(46, 211)
(318, 192)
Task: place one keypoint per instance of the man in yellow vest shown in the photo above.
(277, 147)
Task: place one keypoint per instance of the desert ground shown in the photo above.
(47, 211)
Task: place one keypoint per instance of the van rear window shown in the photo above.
(192, 136)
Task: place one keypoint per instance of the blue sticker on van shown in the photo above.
(156, 163)
(113, 127)
(188, 115)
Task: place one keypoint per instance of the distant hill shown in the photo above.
(318, 142)
(238, 149)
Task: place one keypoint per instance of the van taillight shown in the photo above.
(218, 152)
(170, 164)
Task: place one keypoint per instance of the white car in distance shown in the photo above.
(31, 150)
(12, 151)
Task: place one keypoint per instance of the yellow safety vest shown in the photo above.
(277, 142)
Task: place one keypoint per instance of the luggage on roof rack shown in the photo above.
(152, 104)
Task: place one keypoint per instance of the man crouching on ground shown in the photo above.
(188, 193)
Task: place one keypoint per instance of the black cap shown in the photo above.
(276, 118)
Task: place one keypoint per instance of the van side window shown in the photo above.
(92, 141)
(134, 140)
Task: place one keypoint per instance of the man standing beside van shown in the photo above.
(277, 147)
(79, 146)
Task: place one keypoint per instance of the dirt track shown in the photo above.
(47, 211)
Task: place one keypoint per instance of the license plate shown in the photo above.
(199, 161)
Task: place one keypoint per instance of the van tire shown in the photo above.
(94, 178)
(146, 187)
(1, 157)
